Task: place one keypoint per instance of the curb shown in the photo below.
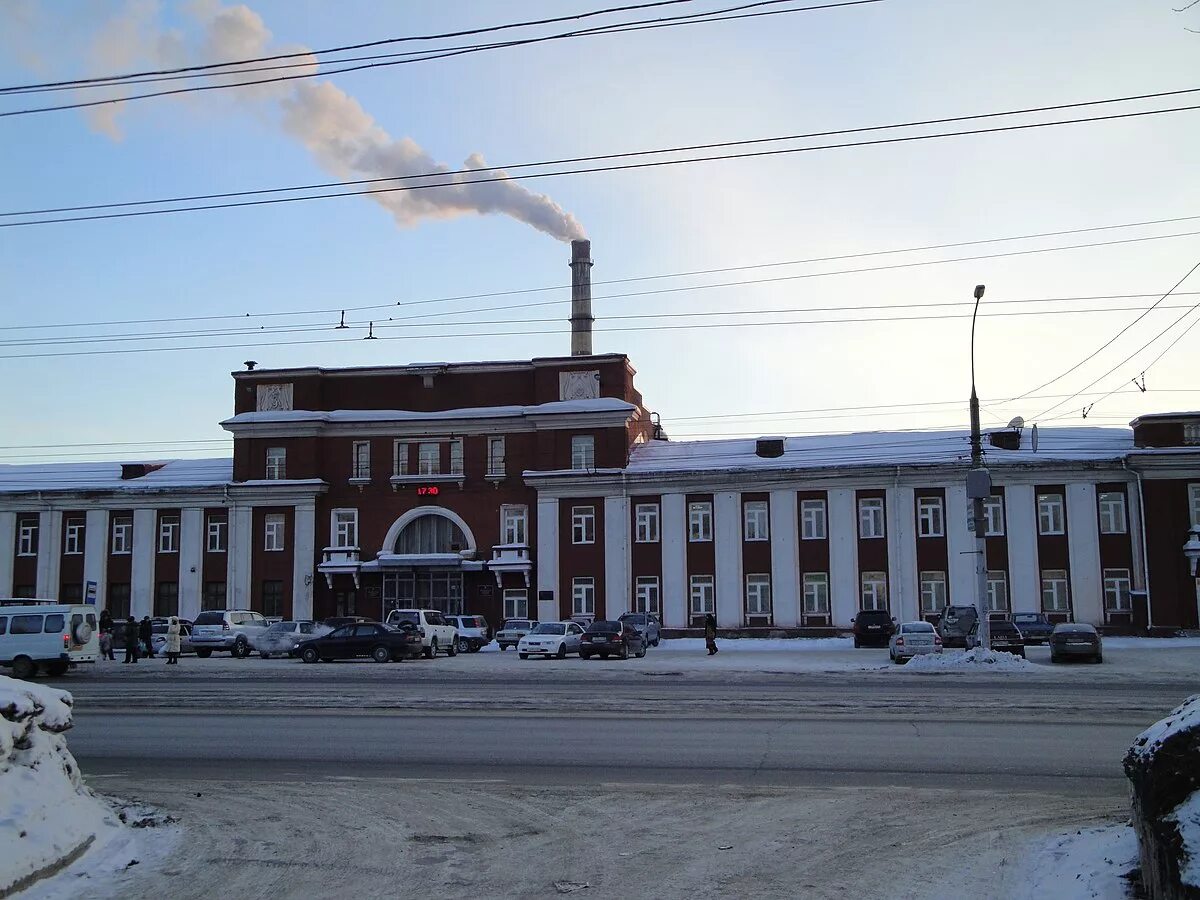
(46, 871)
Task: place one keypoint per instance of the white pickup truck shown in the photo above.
(437, 634)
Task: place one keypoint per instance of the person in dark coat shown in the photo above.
(710, 633)
(107, 634)
(106, 622)
(131, 640)
(146, 635)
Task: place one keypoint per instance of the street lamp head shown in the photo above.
(979, 288)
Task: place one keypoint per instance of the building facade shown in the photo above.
(545, 488)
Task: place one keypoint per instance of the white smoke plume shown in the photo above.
(341, 136)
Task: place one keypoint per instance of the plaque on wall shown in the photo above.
(545, 596)
(274, 397)
(485, 592)
(579, 385)
(374, 593)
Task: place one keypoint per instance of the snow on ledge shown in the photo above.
(977, 660)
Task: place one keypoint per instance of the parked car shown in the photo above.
(873, 627)
(1003, 636)
(1075, 639)
(512, 631)
(551, 639)
(232, 630)
(436, 633)
(646, 623)
(339, 621)
(1035, 627)
(913, 639)
(158, 637)
(284, 637)
(47, 635)
(382, 643)
(604, 639)
(473, 632)
(955, 622)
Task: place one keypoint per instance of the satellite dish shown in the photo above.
(1034, 438)
(1018, 422)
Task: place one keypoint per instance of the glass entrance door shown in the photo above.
(423, 589)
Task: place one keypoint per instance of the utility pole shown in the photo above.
(979, 487)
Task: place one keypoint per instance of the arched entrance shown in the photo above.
(423, 560)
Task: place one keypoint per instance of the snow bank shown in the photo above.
(1184, 716)
(977, 660)
(1187, 817)
(47, 817)
(758, 645)
(1088, 864)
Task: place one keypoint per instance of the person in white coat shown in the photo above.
(172, 647)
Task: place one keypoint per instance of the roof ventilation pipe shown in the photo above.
(581, 298)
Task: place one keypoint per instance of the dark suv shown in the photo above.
(873, 628)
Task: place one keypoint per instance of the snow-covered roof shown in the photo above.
(878, 448)
(106, 476)
(339, 416)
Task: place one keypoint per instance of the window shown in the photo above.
(71, 593)
(27, 538)
(168, 534)
(74, 540)
(276, 464)
(1050, 514)
(166, 599)
(812, 520)
(816, 588)
(361, 460)
(1055, 595)
(213, 596)
(583, 524)
(993, 516)
(645, 594)
(756, 516)
(699, 522)
(874, 590)
(273, 531)
(1194, 504)
(514, 524)
(430, 534)
(703, 595)
(456, 456)
(399, 458)
(27, 624)
(54, 624)
(583, 596)
(272, 598)
(118, 599)
(933, 591)
(930, 519)
(1191, 433)
(758, 595)
(25, 591)
(1112, 512)
(516, 603)
(997, 590)
(495, 465)
(218, 534)
(870, 519)
(122, 535)
(583, 451)
(1116, 591)
(429, 459)
(646, 523)
(345, 528)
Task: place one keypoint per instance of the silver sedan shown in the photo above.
(913, 639)
(551, 639)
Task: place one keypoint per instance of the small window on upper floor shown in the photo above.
(361, 460)
(495, 459)
(276, 464)
(583, 451)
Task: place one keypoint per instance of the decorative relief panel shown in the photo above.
(274, 397)
(579, 385)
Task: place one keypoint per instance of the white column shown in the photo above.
(191, 561)
(547, 561)
(1024, 575)
(960, 547)
(304, 560)
(49, 558)
(785, 559)
(901, 505)
(843, 557)
(727, 553)
(617, 562)
(8, 549)
(241, 543)
(675, 597)
(1083, 550)
(1134, 507)
(145, 545)
(95, 554)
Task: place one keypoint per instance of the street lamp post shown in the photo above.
(1191, 550)
(979, 487)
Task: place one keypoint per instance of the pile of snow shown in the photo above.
(977, 660)
(47, 817)
(1187, 816)
(1088, 864)
(1185, 715)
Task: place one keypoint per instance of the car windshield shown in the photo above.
(397, 617)
(918, 628)
(551, 628)
(1027, 617)
(516, 623)
(210, 618)
(280, 627)
(634, 619)
(603, 627)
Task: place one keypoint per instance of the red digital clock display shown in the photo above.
(429, 490)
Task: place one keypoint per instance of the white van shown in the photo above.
(46, 634)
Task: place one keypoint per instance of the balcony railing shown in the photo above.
(340, 556)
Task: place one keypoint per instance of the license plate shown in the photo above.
(874, 627)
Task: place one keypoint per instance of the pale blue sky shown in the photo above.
(893, 61)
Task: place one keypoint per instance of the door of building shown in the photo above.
(345, 602)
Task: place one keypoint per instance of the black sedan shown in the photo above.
(1035, 627)
(382, 643)
(1072, 640)
(605, 639)
(1003, 636)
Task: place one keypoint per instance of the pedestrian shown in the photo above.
(106, 635)
(106, 621)
(131, 640)
(173, 641)
(710, 633)
(146, 635)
